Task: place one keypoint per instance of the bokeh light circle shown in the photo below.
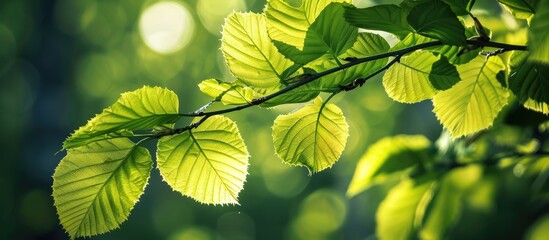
(166, 27)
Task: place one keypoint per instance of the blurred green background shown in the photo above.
(63, 61)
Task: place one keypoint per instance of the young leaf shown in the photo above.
(388, 157)
(528, 80)
(401, 213)
(410, 79)
(538, 36)
(141, 109)
(521, 9)
(289, 24)
(313, 136)
(473, 103)
(249, 52)
(436, 20)
(208, 164)
(227, 93)
(96, 186)
(328, 34)
(388, 18)
(537, 106)
(368, 44)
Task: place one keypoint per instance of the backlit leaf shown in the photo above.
(141, 109)
(538, 36)
(289, 24)
(388, 18)
(527, 79)
(368, 44)
(521, 9)
(313, 136)
(388, 157)
(249, 52)
(96, 186)
(328, 34)
(227, 93)
(410, 80)
(436, 20)
(473, 103)
(460, 7)
(208, 163)
(401, 213)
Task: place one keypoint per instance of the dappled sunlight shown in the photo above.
(166, 27)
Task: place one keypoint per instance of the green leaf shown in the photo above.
(368, 44)
(328, 34)
(313, 136)
(96, 186)
(289, 24)
(445, 209)
(249, 52)
(521, 9)
(401, 213)
(301, 94)
(537, 106)
(436, 20)
(538, 36)
(473, 103)
(460, 7)
(208, 164)
(528, 80)
(410, 80)
(388, 18)
(227, 93)
(141, 109)
(387, 158)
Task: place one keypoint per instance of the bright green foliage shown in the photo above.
(521, 9)
(388, 18)
(410, 80)
(368, 44)
(445, 209)
(388, 158)
(141, 109)
(436, 20)
(401, 213)
(328, 34)
(289, 24)
(227, 93)
(249, 53)
(538, 37)
(473, 103)
(529, 80)
(208, 164)
(313, 136)
(96, 186)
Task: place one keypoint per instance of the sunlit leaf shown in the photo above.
(289, 24)
(521, 9)
(538, 37)
(301, 94)
(436, 20)
(208, 163)
(473, 103)
(313, 136)
(328, 34)
(368, 44)
(537, 106)
(388, 18)
(445, 209)
(410, 80)
(249, 52)
(401, 213)
(227, 93)
(96, 186)
(141, 109)
(528, 80)
(387, 158)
